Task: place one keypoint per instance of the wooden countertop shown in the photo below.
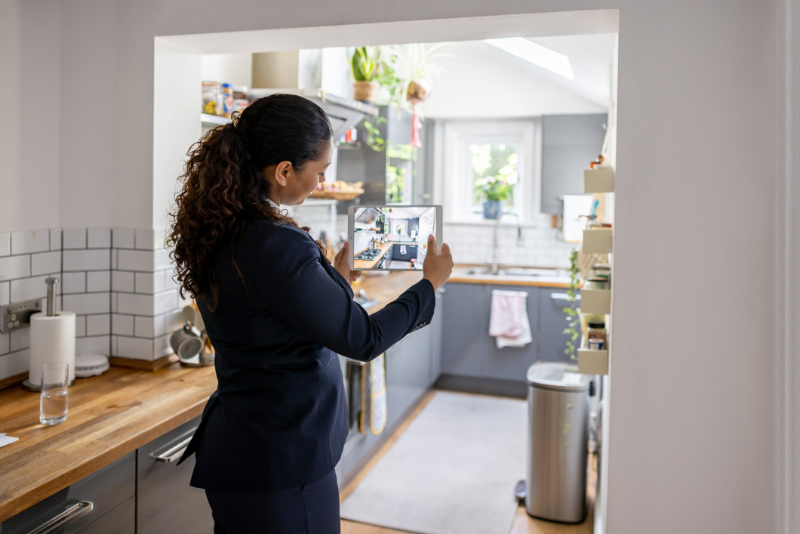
(369, 264)
(112, 415)
(461, 276)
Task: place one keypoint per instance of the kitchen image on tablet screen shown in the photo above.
(392, 237)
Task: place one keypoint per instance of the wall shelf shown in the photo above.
(598, 241)
(599, 180)
(596, 301)
(593, 362)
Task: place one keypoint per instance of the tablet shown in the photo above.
(392, 238)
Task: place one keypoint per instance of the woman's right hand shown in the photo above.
(437, 267)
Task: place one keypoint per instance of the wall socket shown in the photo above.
(18, 314)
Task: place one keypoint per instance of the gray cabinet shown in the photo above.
(120, 520)
(167, 503)
(109, 490)
(569, 144)
(468, 349)
(552, 322)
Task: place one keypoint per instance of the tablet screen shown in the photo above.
(392, 238)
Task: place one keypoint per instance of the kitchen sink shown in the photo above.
(517, 271)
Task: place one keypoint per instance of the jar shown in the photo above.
(595, 282)
(602, 270)
(596, 343)
(227, 100)
(212, 98)
(597, 330)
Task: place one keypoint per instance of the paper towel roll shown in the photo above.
(52, 341)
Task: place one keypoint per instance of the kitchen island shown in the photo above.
(112, 416)
(370, 264)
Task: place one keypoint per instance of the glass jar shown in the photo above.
(597, 330)
(212, 98)
(595, 282)
(602, 270)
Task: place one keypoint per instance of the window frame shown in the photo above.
(455, 176)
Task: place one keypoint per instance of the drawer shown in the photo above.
(166, 501)
(120, 520)
(105, 489)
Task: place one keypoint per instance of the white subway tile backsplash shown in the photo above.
(86, 303)
(30, 241)
(5, 244)
(99, 238)
(171, 280)
(12, 267)
(98, 281)
(73, 282)
(144, 327)
(55, 239)
(123, 238)
(122, 281)
(145, 282)
(20, 339)
(28, 288)
(135, 304)
(158, 281)
(5, 293)
(93, 345)
(145, 238)
(162, 259)
(173, 321)
(86, 260)
(45, 263)
(165, 302)
(15, 363)
(159, 325)
(74, 238)
(161, 347)
(98, 325)
(114, 256)
(136, 260)
(80, 326)
(134, 347)
(122, 324)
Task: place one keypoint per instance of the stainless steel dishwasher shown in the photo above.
(166, 501)
(558, 438)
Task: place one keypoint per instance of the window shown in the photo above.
(488, 160)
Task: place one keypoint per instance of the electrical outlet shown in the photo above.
(18, 314)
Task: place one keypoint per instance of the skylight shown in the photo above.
(536, 54)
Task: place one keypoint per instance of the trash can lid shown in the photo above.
(557, 376)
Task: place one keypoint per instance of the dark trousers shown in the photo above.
(309, 509)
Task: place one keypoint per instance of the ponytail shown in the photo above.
(223, 190)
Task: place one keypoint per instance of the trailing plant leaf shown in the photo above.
(572, 314)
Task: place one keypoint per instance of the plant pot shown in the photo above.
(492, 209)
(365, 91)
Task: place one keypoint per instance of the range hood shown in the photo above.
(344, 113)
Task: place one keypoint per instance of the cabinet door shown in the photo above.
(120, 520)
(166, 501)
(105, 489)
(465, 329)
(436, 327)
(552, 322)
(511, 363)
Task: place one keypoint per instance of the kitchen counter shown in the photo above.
(112, 415)
(462, 276)
(369, 264)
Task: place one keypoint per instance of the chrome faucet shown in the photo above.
(496, 262)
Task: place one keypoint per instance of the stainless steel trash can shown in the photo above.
(558, 437)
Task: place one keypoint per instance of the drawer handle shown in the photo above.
(174, 453)
(563, 296)
(69, 515)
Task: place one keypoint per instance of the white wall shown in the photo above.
(694, 418)
(235, 69)
(479, 80)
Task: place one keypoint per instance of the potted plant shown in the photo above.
(494, 169)
(364, 62)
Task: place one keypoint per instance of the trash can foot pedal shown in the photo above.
(520, 491)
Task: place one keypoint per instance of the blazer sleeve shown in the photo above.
(286, 277)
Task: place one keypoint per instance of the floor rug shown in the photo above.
(452, 471)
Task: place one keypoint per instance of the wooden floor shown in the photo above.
(522, 524)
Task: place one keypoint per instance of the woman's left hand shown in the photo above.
(341, 264)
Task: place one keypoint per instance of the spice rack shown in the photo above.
(598, 240)
(593, 362)
(596, 301)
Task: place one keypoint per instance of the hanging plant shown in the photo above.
(573, 316)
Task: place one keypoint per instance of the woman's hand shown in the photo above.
(437, 267)
(341, 264)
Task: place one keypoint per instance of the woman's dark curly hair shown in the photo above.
(224, 191)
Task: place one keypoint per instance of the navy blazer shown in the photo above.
(279, 416)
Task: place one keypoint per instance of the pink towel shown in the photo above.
(508, 309)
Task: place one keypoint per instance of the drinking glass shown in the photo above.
(53, 403)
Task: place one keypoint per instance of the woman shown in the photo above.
(278, 313)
